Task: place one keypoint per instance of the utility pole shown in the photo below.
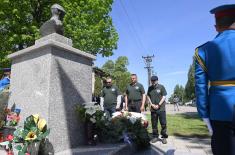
(147, 60)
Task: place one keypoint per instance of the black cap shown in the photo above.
(154, 78)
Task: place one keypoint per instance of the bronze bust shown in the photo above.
(54, 25)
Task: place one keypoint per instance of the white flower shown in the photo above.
(92, 120)
(115, 114)
(133, 119)
(90, 111)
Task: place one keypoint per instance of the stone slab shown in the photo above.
(56, 37)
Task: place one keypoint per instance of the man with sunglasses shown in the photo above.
(110, 99)
(135, 96)
(157, 95)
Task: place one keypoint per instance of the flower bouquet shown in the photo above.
(33, 132)
(124, 126)
(12, 117)
(30, 136)
(132, 116)
(91, 114)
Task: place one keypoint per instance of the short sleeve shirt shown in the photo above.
(156, 92)
(135, 92)
(110, 95)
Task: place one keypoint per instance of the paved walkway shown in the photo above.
(182, 109)
(181, 145)
(184, 146)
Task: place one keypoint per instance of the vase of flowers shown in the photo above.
(33, 132)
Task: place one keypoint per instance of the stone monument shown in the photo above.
(50, 78)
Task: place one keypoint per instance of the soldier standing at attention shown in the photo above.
(157, 95)
(215, 64)
(110, 99)
(135, 96)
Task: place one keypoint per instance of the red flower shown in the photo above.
(17, 118)
(10, 152)
(27, 154)
(9, 137)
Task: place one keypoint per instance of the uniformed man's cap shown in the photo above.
(6, 69)
(224, 10)
(154, 78)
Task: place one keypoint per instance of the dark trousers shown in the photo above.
(161, 115)
(134, 106)
(223, 138)
(110, 110)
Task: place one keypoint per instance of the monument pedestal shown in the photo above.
(49, 79)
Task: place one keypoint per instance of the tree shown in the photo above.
(178, 91)
(98, 86)
(87, 23)
(119, 72)
(190, 85)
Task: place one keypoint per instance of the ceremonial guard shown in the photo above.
(215, 82)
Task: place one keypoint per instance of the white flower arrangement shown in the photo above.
(132, 116)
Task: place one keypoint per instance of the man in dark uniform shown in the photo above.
(110, 97)
(157, 95)
(5, 81)
(135, 96)
(215, 64)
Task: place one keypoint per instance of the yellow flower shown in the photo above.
(41, 124)
(35, 118)
(31, 136)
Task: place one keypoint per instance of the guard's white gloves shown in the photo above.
(208, 124)
(102, 103)
(119, 100)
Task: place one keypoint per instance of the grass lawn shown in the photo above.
(185, 125)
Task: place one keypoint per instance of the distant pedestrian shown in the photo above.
(215, 82)
(176, 102)
(135, 96)
(157, 95)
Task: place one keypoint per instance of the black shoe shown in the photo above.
(164, 141)
(154, 140)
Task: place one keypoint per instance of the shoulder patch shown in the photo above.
(199, 60)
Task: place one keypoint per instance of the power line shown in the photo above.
(139, 42)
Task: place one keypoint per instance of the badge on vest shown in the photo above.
(158, 90)
(113, 89)
(136, 87)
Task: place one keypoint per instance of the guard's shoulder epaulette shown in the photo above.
(202, 45)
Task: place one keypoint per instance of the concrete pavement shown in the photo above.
(183, 145)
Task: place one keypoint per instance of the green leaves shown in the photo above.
(87, 23)
(119, 72)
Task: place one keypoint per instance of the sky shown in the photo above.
(168, 29)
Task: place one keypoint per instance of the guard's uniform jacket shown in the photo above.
(215, 77)
(4, 82)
